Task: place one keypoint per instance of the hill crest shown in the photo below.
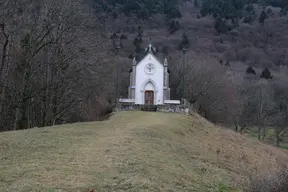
(133, 150)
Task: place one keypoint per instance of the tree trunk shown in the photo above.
(264, 133)
(19, 109)
(16, 121)
(277, 140)
(259, 133)
(3, 72)
(242, 129)
(4, 49)
(221, 38)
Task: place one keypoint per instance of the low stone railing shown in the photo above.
(168, 108)
(127, 107)
(121, 100)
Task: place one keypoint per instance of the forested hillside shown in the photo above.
(142, 9)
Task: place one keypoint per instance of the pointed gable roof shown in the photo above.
(150, 54)
(150, 51)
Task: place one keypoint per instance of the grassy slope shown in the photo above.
(133, 151)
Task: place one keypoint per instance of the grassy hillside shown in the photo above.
(133, 152)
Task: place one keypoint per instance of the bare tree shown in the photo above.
(209, 87)
(50, 66)
(11, 19)
(258, 106)
(280, 123)
(280, 128)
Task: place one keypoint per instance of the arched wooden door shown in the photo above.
(149, 97)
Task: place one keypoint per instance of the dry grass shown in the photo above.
(133, 151)
(271, 182)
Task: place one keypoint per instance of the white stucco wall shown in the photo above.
(142, 78)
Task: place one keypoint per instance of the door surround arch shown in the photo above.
(154, 94)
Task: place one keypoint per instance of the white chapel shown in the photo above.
(149, 81)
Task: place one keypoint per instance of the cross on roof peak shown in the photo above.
(150, 47)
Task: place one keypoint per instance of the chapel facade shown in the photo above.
(149, 81)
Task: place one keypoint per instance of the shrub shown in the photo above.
(96, 109)
(223, 188)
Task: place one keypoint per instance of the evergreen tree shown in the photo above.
(225, 9)
(196, 3)
(222, 11)
(250, 70)
(248, 19)
(131, 56)
(138, 41)
(227, 64)
(269, 12)
(122, 38)
(184, 41)
(266, 74)
(114, 38)
(165, 50)
(250, 14)
(221, 26)
(250, 8)
(117, 39)
(284, 11)
(174, 26)
(263, 17)
(221, 62)
(142, 9)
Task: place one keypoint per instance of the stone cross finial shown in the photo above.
(134, 61)
(165, 62)
(150, 47)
